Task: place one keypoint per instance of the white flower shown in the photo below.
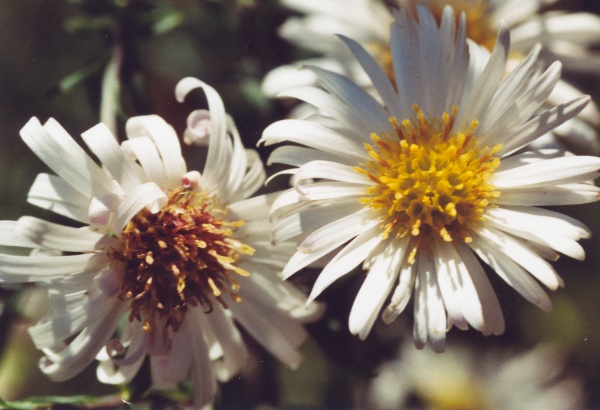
(464, 378)
(416, 188)
(567, 36)
(365, 21)
(170, 257)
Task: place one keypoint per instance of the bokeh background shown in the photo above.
(53, 58)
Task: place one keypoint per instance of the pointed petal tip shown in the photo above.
(503, 38)
(439, 346)
(545, 305)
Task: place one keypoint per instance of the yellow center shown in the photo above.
(181, 256)
(480, 27)
(429, 180)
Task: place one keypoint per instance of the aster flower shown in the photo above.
(566, 36)
(416, 188)
(363, 20)
(464, 378)
(167, 261)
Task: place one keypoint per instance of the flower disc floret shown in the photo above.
(429, 179)
(179, 257)
(480, 27)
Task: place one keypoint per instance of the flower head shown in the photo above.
(566, 36)
(166, 261)
(418, 186)
(466, 378)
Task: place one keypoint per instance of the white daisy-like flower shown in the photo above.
(464, 378)
(416, 188)
(168, 260)
(566, 36)
(366, 21)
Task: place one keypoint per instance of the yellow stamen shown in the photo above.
(429, 178)
(480, 27)
(181, 256)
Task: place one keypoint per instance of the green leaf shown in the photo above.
(35, 402)
(73, 79)
(163, 20)
(86, 25)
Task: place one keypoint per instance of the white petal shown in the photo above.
(378, 77)
(310, 219)
(53, 145)
(255, 208)
(541, 226)
(522, 255)
(235, 353)
(541, 124)
(491, 311)
(268, 291)
(376, 287)
(430, 64)
(401, 294)
(59, 326)
(103, 143)
(446, 268)
(297, 156)
(568, 194)
(204, 383)
(269, 329)
(330, 106)
(545, 172)
(511, 272)
(198, 128)
(464, 285)
(458, 59)
(173, 368)
(102, 206)
(571, 27)
(329, 170)
(121, 371)
(348, 258)
(148, 195)
(476, 102)
(253, 177)
(9, 236)
(430, 314)
(320, 192)
(73, 358)
(404, 49)
(366, 109)
(521, 107)
(20, 269)
(291, 76)
(63, 238)
(109, 280)
(301, 260)
(144, 150)
(217, 165)
(269, 254)
(511, 87)
(54, 194)
(237, 162)
(265, 295)
(166, 141)
(344, 229)
(314, 136)
(564, 91)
